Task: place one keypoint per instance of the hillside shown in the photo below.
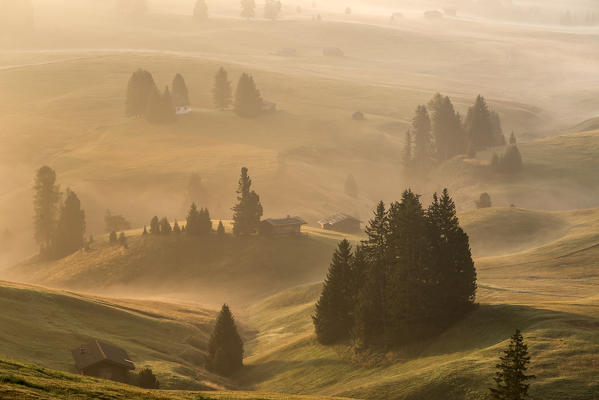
(548, 291)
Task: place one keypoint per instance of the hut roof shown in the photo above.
(285, 221)
(95, 352)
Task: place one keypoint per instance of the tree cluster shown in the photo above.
(410, 279)
(510, 163)
(248, 100)
(59, 226)
(438, 132)
(225, 348)
(146, 379)
(198, 222)
(248, 210)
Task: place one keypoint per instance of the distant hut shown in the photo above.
(281, 226)
(333, 52)
(358, 116)
(102, 360)
(341, 223)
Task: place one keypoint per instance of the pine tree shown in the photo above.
(248, 101)
(248, 210)
(139, 89)
(479, 126)
(421, 130)
(272, 9)
(220, 231)
(180, 92)
(123, 240)
(193, 225)
(112, 238)
(446, 128)
(176, 228)
(248, 9)
(333, 318)
(147, 380)
(205, 223)
(351, 186)
(511, 162)
(155, 226)
(200, 10)
(71, 227)
(222, 92)
(165, 226)
(511, 378)
(225, 348)
(45, 206)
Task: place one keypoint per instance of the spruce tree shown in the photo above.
(71, 227)
(248, 210)
(220, 231)
(446, 128)
(176, 228)
(167, 107)
(45, 206)
(112, 238)
(479, 126)
(165, 226)
(423, 145)
(248, 101)
(225, 348)
(272, 9)
(200, 10)
(205, 222)
(511, 162)
(180, 93)
(155, 226)
(193, 224)
(333, 318)
(248, 9)
(511, 380)
(139, 89)
(222, 92)
(351, 186)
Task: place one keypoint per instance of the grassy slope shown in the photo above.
(548, 291)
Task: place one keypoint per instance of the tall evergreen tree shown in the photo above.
(205, 223)
(176, 228)
(446, 128)
(333, 318)
(248, 101)
(71, 227)
(351, 186)
(155, 226)
(272, 9)
(511, 380)
(248, 9)
(423, 144)
(225, 348)
(45, 206)
(180, 93)
(139, 89)
(193, 225)
(200, 10)
(222, 92)
(479, 125)
(165, 226)
(220, 231)
(248, 210)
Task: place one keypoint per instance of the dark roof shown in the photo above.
(334, 219)
(285, 221)
(95, 352)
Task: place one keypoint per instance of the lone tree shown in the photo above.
(248, 9)
(446, 128)
(484, 201)
(45, 206)
(225, 348)
(139, 89)
(222, 92)
(71, 227)
(220, 231)
(272, 9)
(423, 144)
(200, 10)
(510, 378)
(147, 380)
(248, 101)
(180, 93)
(333, 317)
(248, 210)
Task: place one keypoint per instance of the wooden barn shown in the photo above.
(281, 226)
(341, 223)
(102, 360)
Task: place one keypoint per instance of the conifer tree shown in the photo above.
(333, 318)
(446, 128)
(421, 130)
(112, 238)
(222, 92)
(200, 10)
(123, 240)
(248, 101)
(193, 225)
(205, 222)
(479, 126)
(165, 226)
(147, 380)
(139, 89)
(155, 226)
(180, 93)
(248, 9)
(511, 162)
(220, 230)
(511, 380)
(167, 107)
(272, 9)
(225, 348)
(248, 210)
(45, 206)
(351, 186)
(71, 227)
(176, 228)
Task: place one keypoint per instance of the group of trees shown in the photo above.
(120, 239)
(411, 278)
(272, 9)
(511, 161)
(145, 100)
(59, 225)
(248, 100)
(438, 132)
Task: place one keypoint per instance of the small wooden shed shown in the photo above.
(281, 226)
(103, 360)
(341, 223)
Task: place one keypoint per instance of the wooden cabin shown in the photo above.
(341, 223)
(281, 226)
(103, 360)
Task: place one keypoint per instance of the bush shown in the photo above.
(147, 380)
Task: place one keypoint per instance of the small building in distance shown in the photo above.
(341, 223)
(102, 360)
(282, 226)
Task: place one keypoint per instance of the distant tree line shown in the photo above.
(59, 221)
(410, 279)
